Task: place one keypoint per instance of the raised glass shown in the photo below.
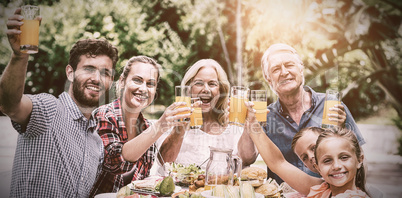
(332, 97)
(238, 110)
(182, 94)
(259, 98)
(196, 121)
(29, 38)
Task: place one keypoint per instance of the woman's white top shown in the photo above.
(196, 143)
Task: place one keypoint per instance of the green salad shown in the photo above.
(181, 169)
(184, 175)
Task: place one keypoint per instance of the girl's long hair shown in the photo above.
(360, 178)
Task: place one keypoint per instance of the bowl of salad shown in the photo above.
(184, 175)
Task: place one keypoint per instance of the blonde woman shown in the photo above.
(183, 145)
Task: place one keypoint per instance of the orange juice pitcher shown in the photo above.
(221, 168)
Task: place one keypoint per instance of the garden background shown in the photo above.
(352, 45)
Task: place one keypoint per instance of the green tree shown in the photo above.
(354, 45)
(122, 22)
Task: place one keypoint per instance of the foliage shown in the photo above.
(353, 45)
(122, 22)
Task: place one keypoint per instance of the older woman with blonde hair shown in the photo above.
(208, 81)
(218, 111)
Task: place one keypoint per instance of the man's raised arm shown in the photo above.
(12, 100)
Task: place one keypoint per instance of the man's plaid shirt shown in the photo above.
(58, 155)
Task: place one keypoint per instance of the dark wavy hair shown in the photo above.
(360, 180)
(92, 48)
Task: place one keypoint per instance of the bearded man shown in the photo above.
(58, 154)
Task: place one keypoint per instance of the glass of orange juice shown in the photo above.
(238, 110)
(196, 116)
(259, 98)
(29, 38)
(182, 94)
(332, 97)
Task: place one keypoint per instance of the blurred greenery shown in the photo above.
(352, 45)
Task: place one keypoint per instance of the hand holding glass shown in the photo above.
(196, 116)
(183, 95)
(332, 97)
(259, 98)
(238, 110)
(29, 38)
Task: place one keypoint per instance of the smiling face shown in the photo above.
(139, 87)
(338, 163)
(285, 73)
(205, 85)
(91, 80)
(304, 149)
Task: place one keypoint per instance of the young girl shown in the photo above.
(338, 158)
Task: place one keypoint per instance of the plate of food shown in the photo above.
(255, 176)
(208, 194)
(187, 194)
(126, 192)
(106, 195)
(184, 175)
(154, 186)
(269, 190)
(244, 190)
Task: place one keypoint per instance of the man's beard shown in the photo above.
(79, 95)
